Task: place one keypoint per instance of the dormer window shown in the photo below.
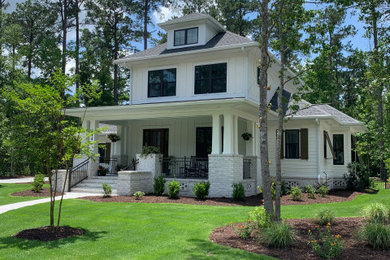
(186, 36)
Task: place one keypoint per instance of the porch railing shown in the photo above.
(246, 168)
(185, 167)
(78, 173)
(110, 164)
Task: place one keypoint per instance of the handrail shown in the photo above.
(78, 173)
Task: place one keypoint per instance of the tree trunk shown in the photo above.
(30, 42)
(263, 107)
(116, 49)
(64, 10)
(146, 12)
(77, 46)
(278, 162)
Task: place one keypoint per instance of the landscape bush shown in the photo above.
(296, 193)
(107, 190)
(238, 192)
(323, 190)
(139, 194)
(37, 185)
(159, 185)
(201, 190)
(310, 191)
(358, 176)
(244, 231)
(376, 213)
(173, 189)
(325, 216)
(283, 190)
(278, 235)
(260, 218)
(326, 245)
(376, 235)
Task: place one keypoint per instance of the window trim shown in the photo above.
(186, 36)
(210, 78)
(161, 84)
(285, 143)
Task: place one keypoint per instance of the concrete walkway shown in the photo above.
(68, 195)
(20, 180)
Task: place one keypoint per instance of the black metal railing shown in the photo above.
(78, 173)
(246, 171)
(185, 167)
(110, 165)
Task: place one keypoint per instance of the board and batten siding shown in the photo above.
(185, 78)
(295, 167)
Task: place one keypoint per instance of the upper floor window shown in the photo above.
(338, 147)
(210, 78)
(162, 83)
(186, 36)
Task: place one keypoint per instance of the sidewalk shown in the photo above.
(20, 180)
(18, 205)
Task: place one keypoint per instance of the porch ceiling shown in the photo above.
(241, 106)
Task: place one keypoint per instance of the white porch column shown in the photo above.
(116, 149)
(228, 129)
(254, 138)
(94, 163)
(216, 145)
(235, 134)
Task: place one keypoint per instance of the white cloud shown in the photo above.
(166, 13)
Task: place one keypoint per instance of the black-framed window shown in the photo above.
(210, 78)
(338, 147)
(291, 140)
(186, 36)
(162, 83)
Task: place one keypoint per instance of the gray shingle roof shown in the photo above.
(221, 39)
(187, 17)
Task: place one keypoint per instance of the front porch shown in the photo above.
(197, 142)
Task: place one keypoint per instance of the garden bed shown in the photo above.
(345, 227)
(45, 234)
(29, 193)
(334, 196)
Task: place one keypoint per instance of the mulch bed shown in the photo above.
(334, 196)
(29, 193)
(346, 227)
(44, 233)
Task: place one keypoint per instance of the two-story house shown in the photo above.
(196, 98)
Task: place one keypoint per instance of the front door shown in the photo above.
(157, 138)
(203, 141)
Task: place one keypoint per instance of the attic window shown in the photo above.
(186, 36)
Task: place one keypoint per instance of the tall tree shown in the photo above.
(232, 14)
(198, 6)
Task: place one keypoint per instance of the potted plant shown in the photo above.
(102, 171)
(246, 136)
(114, 137)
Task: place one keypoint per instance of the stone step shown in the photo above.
(109, 181)
(93, 185)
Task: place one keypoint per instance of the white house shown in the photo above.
(196, 95)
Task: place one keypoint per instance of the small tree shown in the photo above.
(59, 138)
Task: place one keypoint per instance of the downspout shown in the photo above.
(319, 158)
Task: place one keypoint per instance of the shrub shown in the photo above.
(107, 190)
(159, 185)
(323, 190)
(201, 190)
(325, 216)
(310, 191)
(296, 193)
(138, 195)
(283, 190)
(260, 218)
(39, 180)
(238, 192)
(173, 189)
(244, 230)
(376, 213)
(376, 235)
(325, 244)
(279, 235)
(147, 150)
(358, 176)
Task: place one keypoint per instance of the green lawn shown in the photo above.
(7, 189)
(145, 231)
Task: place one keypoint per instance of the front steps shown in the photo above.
(94, 184)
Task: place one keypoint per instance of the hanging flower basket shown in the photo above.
(246, 136)
(114, 137)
